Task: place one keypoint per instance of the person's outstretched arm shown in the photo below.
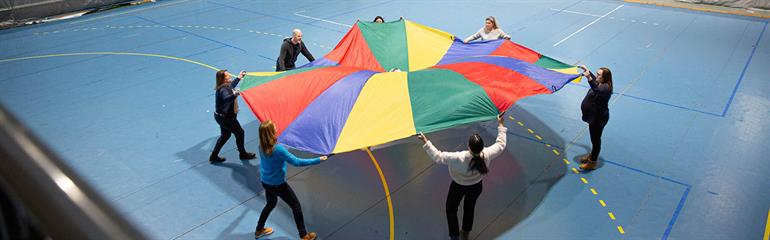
(435, 154)
(591, 78)
(475, 36)
(238, 79)
(503, 35)
(306, 53)
(502, 137)
(294, 160)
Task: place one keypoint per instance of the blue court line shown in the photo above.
(682, 201)
(204, 51)
(727, 107)
(659, 102)
(679, 206)
(676, 214)
(268, 58)
(729, 101)
(191, 33)
(273, 16)
(648, 173)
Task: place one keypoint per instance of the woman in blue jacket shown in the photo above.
(272, 170)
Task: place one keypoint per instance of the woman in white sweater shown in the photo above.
(490, 31)
(467, 169)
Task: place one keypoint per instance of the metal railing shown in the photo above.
(61, 203)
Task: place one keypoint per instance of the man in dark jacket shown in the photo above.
(290, 49)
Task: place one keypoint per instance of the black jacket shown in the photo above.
(225, 99)
(289, 53)
(595, 102)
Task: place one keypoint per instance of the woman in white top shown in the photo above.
(490, 31)
(467, 169)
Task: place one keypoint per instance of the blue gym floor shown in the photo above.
(125, 97)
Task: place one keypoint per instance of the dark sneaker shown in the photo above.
(216, 159)
(248, 155)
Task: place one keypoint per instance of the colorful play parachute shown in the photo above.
(350, 98)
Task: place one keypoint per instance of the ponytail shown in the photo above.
(476, 144)
(478, 164)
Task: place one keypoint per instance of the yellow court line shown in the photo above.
(387, 192)
(585, 181)
(767, 227)
(110, 53)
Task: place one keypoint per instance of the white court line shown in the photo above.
(586, 26)
(323, 20)
(568, 11)
(594, 15)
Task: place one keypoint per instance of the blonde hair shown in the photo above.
(267, 137)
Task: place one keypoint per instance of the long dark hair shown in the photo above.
(476, 144)
(607, 76)
(378, 17)
(220, 78)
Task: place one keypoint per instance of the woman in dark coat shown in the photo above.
(595, 111)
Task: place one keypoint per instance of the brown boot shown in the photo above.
(264, 232)
(588, 166)
(585, 158)
(309, 236)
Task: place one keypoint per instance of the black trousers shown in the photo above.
(595, 128)
(228, 125)
(456, 193)
(287, 195)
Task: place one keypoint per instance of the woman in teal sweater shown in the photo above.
(272, 170)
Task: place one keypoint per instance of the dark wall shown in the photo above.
(13, 12)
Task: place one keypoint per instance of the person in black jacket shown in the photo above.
(290, 49)
(226, 115)
(596, 112)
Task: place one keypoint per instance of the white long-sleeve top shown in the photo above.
(484, 35)
(459, 162)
